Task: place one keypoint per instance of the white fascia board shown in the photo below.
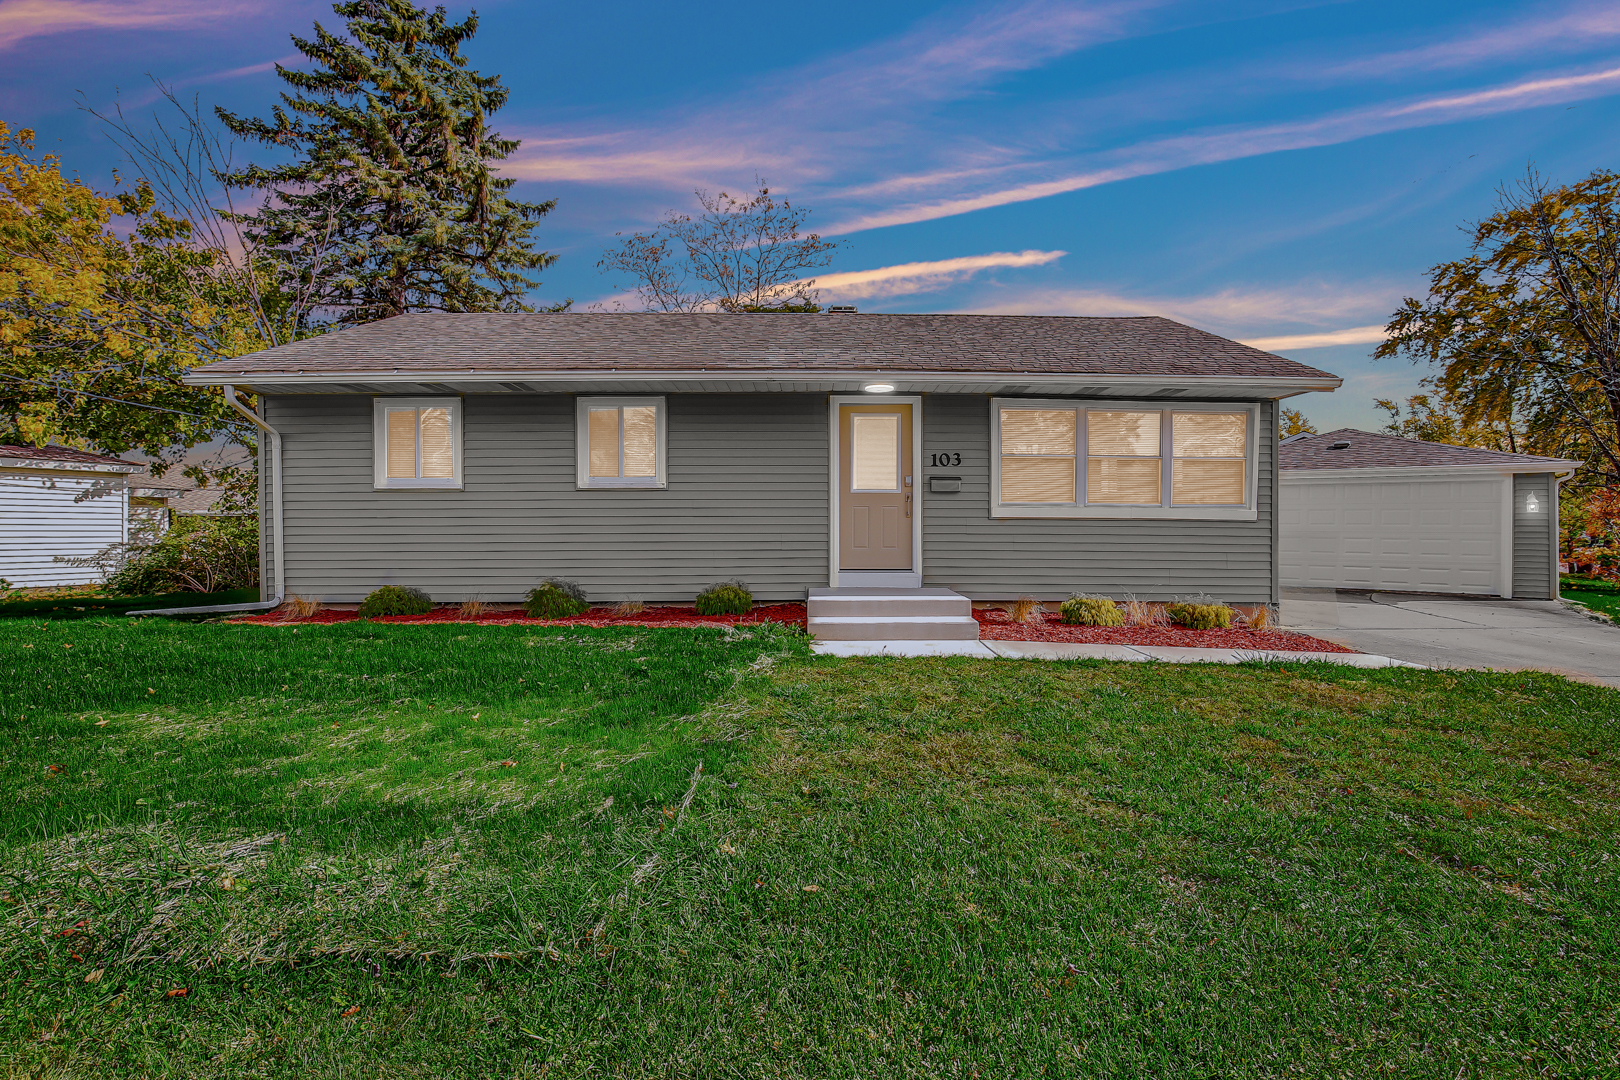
(1425, 472)
(1251, 387)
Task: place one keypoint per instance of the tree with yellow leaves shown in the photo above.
(105, 302)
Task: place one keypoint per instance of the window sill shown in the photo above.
(1134, 513)
(419, 485)
(622, 485)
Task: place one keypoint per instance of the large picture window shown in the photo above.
(621, 442)
(417, 442)
(1122, 459)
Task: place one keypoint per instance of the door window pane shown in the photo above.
(874, 452)
(402, 444)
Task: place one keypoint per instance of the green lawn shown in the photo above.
(463, 851)
(1601, 596)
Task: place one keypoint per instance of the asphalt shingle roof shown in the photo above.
(1370, 450)
(622, 342)
(63, 454)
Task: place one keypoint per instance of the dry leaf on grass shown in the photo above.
(350, 1011)
(812, 888)
(179, 991)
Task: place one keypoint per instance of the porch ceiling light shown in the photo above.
(879, 388)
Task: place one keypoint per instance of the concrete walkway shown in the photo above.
(1460, 632)
(1059, 650)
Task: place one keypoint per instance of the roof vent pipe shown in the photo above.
(1340, 446)
(841, 309)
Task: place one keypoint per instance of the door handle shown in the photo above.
(908, 504)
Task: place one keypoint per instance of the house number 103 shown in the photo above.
(936, 461)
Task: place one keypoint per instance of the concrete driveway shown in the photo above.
(1460, 632)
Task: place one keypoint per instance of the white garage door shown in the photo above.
(1406, 535)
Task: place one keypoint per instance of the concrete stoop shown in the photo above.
(890, 615)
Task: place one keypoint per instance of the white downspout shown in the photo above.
(278, 578)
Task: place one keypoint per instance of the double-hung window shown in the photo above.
(417, 442)
(1058, 458)
(621, 442)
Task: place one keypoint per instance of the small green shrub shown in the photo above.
(725, 598)
(198, 554)
(1200, 616)
(555, 598)
(395, 600)
(1090, 611)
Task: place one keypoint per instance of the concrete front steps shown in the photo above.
(891, 615)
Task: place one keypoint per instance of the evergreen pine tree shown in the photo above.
(390, 204)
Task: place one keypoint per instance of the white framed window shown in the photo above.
(417, 442)
(1133, 459)
(621, 442)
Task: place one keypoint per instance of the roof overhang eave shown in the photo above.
(837, 381)
(1298, 474)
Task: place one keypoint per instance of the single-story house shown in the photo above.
(649, 455)
(58, 503)
(1373, 511)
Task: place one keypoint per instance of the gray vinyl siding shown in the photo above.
(747, 498)
(989, 558)
(1534, 537)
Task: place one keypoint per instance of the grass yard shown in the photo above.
(477, 851)
(1598, 595)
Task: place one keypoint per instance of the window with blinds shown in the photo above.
(418, 444)
(1038, 455)
(1061, 460)
(1123, 454)
(1210, 464)
(621, 442)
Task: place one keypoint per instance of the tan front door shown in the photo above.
(875, 487)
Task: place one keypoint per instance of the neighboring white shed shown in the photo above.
(1360, 510)
(59, 502)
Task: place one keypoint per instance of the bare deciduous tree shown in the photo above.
(737, 255)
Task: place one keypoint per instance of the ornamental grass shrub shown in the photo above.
(725, 598)
(1197, 616)
(395, 600)
(1080, 610)
(556, 598)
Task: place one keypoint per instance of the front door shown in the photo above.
(875, 487)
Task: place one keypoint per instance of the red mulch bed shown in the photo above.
(996, 626)
(788, 614)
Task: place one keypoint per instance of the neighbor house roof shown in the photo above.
(527, 351)
(1348, 448)
(62, 457)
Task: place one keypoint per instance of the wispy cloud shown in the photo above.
(24, 19)
(1360, 335)
(920, 277)
(1166, 155)
(1545, 32)
(1308, 309)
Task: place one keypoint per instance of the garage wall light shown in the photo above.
(1532, 505)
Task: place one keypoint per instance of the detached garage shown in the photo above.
(1366, 511)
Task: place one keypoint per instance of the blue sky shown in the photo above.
(1281, 173)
